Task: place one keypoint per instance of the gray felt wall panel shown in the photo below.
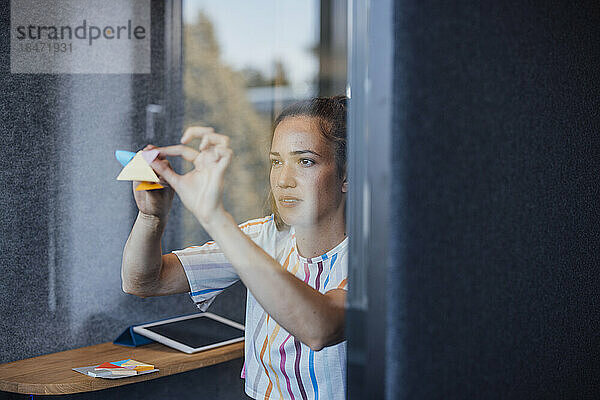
(495, 292)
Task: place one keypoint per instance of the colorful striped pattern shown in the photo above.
(277, 365)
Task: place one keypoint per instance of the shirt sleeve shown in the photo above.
(338, 272)
(208, 270)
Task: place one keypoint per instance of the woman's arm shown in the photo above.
(142, 258)
(315, 319)
(144, 271)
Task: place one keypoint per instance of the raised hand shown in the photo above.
(156, 203)
(201, 189)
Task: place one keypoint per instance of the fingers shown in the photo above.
(152, 147)
(213, 139)
(186, 152)
(223, 157)
(195, 132)
(164, 171)
(206, 134)
(214, 148)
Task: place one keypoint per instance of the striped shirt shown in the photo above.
(277, 365)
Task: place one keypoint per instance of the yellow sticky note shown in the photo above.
(138, 366)
(144, 368)
(148, 186)
(138, 170)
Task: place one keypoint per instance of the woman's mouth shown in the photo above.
(289, 201)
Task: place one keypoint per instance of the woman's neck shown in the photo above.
(318, 239)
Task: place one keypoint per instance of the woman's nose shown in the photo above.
(286, 177)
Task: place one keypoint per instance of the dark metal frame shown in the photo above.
(174, 64)
(370, 55)
(172, 102)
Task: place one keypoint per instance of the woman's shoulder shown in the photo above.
(257, 226)
(263, 229)
(257, 223)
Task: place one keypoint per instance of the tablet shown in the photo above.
(193, 333)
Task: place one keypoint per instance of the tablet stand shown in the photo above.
(132, 339)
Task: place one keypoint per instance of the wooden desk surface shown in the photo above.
(52, 374)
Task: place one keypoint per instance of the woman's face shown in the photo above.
(304, 175)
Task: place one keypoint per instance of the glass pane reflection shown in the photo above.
(244, 62)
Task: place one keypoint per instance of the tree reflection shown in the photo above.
(215, 95)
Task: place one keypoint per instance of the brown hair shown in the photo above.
(330, 116)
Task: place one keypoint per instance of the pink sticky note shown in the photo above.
(150, 155)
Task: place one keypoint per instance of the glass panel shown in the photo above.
(243, 62)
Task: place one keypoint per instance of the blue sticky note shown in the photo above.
(120, 362)
(124, 156)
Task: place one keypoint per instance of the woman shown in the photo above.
(294, 262)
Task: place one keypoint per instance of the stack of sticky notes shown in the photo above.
(137, 168)
(124, 367)
(117, 369)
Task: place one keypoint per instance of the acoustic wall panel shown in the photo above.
(496, 208)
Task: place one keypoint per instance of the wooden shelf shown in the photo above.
(52, 374)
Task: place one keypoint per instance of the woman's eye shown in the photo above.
(275, 162)
(306, 162)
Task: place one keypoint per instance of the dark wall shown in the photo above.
(496, 124)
